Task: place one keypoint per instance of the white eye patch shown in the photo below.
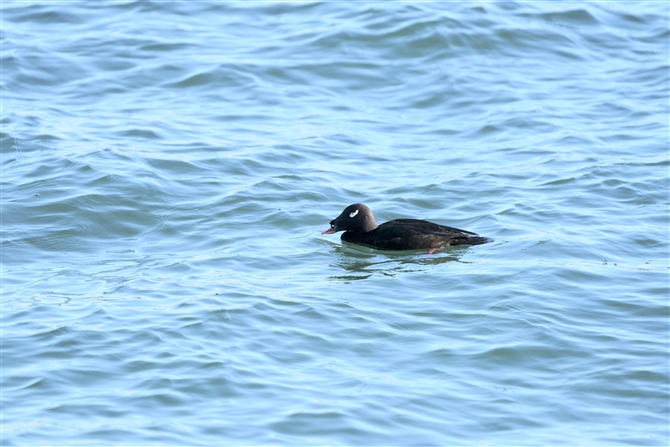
(353, 214)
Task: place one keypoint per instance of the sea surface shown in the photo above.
(168, 168)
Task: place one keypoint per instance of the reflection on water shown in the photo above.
(363, 262)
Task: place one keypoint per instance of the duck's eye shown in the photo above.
(353, 214)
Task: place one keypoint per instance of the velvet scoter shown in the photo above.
(360, 227)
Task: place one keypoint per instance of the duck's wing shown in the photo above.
(425, 227)
(412, 234)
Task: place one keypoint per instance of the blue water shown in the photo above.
(168, 167)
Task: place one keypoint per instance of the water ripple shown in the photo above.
(167, 169)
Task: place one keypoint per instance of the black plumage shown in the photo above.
(360, 227)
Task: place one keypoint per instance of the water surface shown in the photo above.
(168, 167)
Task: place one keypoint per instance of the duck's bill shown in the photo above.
(330, 230)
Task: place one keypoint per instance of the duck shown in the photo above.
(361, 228)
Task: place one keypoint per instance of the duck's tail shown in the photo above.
(470, 240)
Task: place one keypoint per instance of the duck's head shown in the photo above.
(356, 218)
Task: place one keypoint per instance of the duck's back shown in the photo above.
(413, 234)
